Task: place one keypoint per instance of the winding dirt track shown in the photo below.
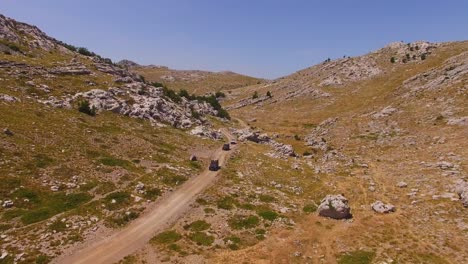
(163, 213)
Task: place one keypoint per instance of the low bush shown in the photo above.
(309, 208)
(199, 225)
(356, 257)
(268, 215)
(84, 107)
(243, 222)
(201, 238)
(226, 203)
(167, 237)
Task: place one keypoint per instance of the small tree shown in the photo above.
(220, 94)
(84, 107)
(423, 56)
(393, 60)
(184, 93)
(269, 94)
(255, 95)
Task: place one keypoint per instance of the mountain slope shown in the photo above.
(198, 82)
(85, 145)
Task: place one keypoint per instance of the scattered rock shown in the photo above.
(462, 191)
(335, 206)
(444, 165)
(402, 184)
(382, 208)
(7, 204)
(193, 158)
(462, 121)
(54, 188)
(8, 132)
(140, 187)
(8, 98)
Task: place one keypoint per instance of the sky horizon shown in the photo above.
(265, 39)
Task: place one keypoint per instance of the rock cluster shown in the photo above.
(203, 131)
(387, 111)
(74, 68)
(263, 138)
(316, 139)
(347, 70)
(335, 206)
(380, 207)
(8, 98)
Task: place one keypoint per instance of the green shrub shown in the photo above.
(84, 107)
(267, 198)
(423, 56)
(42, 259)
(356, 257)
(152, 194)
(201, 238)
(121, 199)
(13, 47)
(184, 93)
(157, 84)
(173, 179)
(86, 52)
(393, 60)
(58, 226)
(296, 137)
(220, 94)
(42, 160)
(38, 215)
(167, 237)
(54, 204)
(171, 94)
(114, 162)
(309, 208)
(244, 222)
(255, 95)
(226, 203)
(268, 215)
(199, 225)
(124, 219)
(269, 94)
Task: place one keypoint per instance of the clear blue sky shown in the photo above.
(263, 38)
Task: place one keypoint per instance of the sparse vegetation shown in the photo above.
(309, 208)
(356, 257)
(167, 237)
(243, 222)
(201, 238)
(84, 107)
(199, 225)
(255, 95)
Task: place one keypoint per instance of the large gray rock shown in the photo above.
(380, 207)
(335, 206)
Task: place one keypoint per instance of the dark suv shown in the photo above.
(214, 165)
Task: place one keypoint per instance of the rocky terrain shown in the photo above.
(354, 160)
(194, 81)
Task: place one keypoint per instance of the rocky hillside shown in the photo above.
(194, 81)
(85, 145)
(387, 131)
(354, 160)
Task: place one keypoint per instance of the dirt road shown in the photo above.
(164, 212)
